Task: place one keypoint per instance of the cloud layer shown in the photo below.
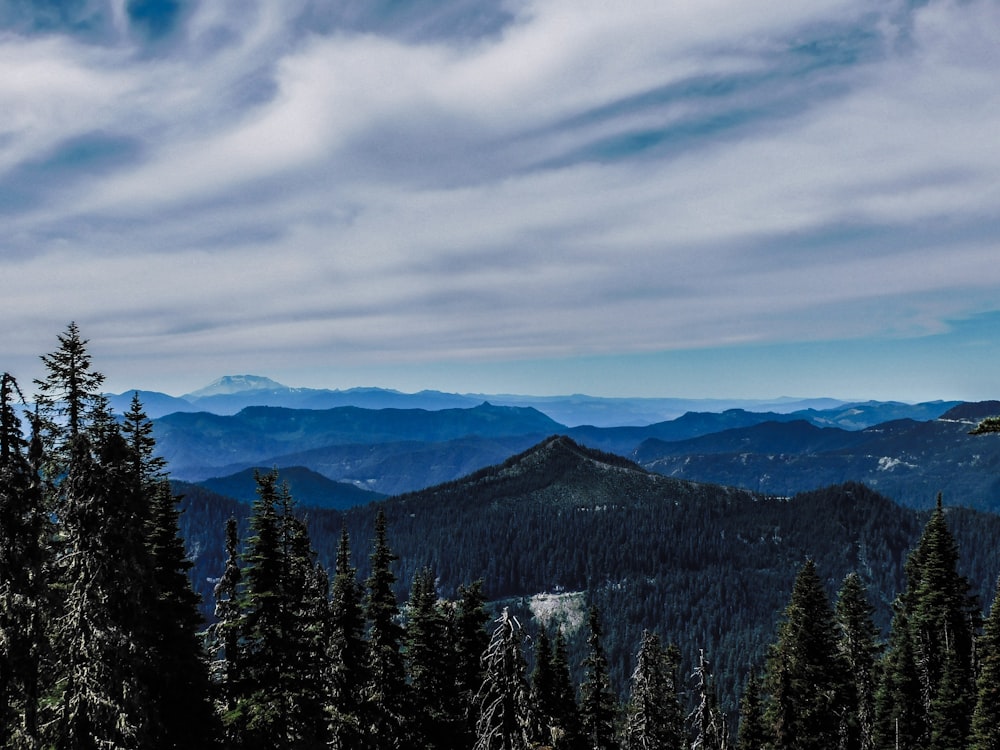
(218, 186)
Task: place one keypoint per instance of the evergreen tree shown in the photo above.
(653, 713)
(147, 469)
(471, 640)
(928, 692)
(565, 712)
(806, 674)
(752, 733)
(23, 580)
(986, 717)
(282, 694)
(67, 398)
(224, 638)
(859, 646)
(386, 708)
(346, 654)
(504, 715)
(101, 695)
(430, 659)
(543, 693)
(598, 707)
(710, 730)
(180, 682)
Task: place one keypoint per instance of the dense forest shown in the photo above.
(103, 642)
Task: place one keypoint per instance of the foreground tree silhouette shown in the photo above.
(598, 706)
(23, 581)
(928, 691)
(385, 708)
(806, 674)
(654, 718)
(504, 721)
(986, 716)
(346, 652)
(859, 647)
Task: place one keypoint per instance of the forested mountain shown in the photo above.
(310, 489)
(703, 565)
(907, 460)
(197, 445)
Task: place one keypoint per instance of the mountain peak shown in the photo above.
(229, 384)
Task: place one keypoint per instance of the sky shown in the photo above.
(699, 198)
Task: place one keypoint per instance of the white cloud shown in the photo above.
(386, 198)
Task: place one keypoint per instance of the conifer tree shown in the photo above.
(471, 640)
(752, 733)
(653, 713)
(430, 659)
(859, 647)
(346, 652)
(928, 691)
(565, 712)
(598, 706)
(986, 716)
(504, 714)
(67, 398)
(23, 580)
(806, 675)
(101, 693)
(708, 721)
(543, 693)
(224, 638)
(180, 682)
(386, 707)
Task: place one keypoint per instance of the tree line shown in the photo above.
(102, 644)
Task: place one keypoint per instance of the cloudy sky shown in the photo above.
(700, 198)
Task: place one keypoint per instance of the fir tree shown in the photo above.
(430, 665)
(543, 690)
(708, 721)
(860, 649)
(101, 694)
(386, 708)
(598, 707)
(986, 716)
(224, 637)
(806, 674)
(565, 712)
(929, 691)
(67, 398)
(752, 733)
(653, 712)
(23, 580)
(346, 653)
(180, 682)
(504, 715)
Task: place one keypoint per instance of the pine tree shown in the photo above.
(986, 716)
(565, 711)
(752, 733)
(147, 469)
(224, 638)
(346, 652)
(598, 707)
(859, 646)
(101, 693)
(23, 579)
(430, 660)
(67, 398)
(653, 712)
(180, 682)
(806, 675)
(504, 715)
(543, 693)
(928, 691)
(386, 709)
(708, 721)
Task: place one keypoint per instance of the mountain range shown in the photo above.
(231, 393)
(560, 526)
(390, 450)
